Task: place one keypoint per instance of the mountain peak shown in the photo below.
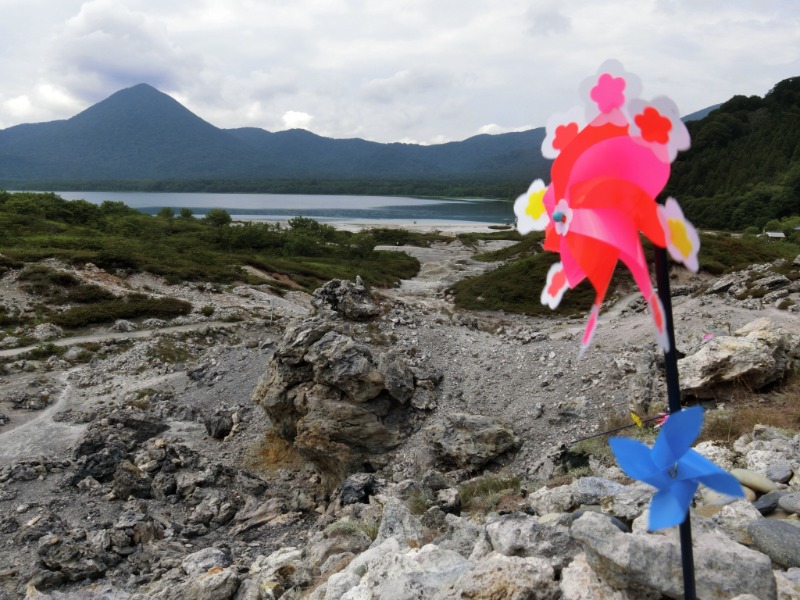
(140, 98)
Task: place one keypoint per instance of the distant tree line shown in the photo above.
(354, 187)
(743, 168)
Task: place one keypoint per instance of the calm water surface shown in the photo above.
(279, 207)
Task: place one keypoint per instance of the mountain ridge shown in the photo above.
(140, 133)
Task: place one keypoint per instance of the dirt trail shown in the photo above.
(119, 335)
(41, 434)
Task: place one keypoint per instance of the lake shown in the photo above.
(281, 207)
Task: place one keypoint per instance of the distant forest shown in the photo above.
(743, 169)
(354, 187)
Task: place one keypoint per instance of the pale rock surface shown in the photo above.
(723, 568)
(506, 577)
(754, 356)
(580, 582)
(518, 534)
(471, 441)
(552, 500)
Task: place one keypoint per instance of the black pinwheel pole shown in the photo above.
(674, 403)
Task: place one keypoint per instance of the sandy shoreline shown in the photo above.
(450, 228)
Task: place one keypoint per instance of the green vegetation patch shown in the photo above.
(130, 307)
(516, 286)
(35, 226)
(485, 493)
(723, 252)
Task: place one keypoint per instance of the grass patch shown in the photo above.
(44, 352)
(779, 409)
(598, 446)
(525, 247)
(485, 493)
(274, 453)
(347, 527)
(385, 236)
(60, 287)
(130, 307)
(516, 288)
(168, 351)
(471, 238)
(420, 501)
(724, 252)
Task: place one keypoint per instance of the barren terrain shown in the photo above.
(524, 370)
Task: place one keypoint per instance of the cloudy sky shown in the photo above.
(423, 71)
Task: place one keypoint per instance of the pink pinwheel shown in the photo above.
(605, 178)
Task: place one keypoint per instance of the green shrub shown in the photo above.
(168, 351)
(40, 279)
(44, 351)
(130, 307)
(484, 493)
(88, 293)
(420, 501)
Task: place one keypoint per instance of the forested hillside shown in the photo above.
(743, 168)
(139, 136)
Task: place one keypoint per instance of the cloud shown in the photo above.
(293, 119)
(42, 101)
(405, 83)
(494, 129)
(546, 20)
(383, 70)
(107, 46)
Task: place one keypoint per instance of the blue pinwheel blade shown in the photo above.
(693, 465)
(634, 459)
(724, 483)
(697, 467)
(670, 505)
(664, 511)
(677, 436)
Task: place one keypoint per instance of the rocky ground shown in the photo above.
(205, 457)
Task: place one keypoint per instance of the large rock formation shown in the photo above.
(756, 355)
(341, 407)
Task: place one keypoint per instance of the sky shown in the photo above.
(414, 71)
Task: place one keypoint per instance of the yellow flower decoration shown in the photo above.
(530, 209)
(683, 242)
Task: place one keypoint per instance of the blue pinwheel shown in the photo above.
(673, 468)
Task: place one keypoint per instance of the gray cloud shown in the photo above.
(383, 70)
(106, 46)
(406, 83)
(546, 20)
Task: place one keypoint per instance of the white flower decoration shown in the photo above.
(555, 286)
(658, 124)
(530, 210)
(683, 241)
(561, 129)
